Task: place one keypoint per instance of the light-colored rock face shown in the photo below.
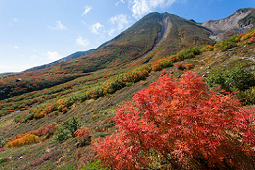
(219, 27)
(226, 24)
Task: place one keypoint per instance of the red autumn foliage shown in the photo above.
(45, 130)
(179, 66)
(252, 39)
(184, 124)
(82, 134)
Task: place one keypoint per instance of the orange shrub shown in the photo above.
(156, 66)
(188, 66)
(82, 134)
(25, 140)
(175, 58)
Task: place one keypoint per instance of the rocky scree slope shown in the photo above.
(239, 22)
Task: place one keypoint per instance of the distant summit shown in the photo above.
(239, 22)
(70, 57)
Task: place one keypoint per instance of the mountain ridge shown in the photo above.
(67, 58)
(237, 23)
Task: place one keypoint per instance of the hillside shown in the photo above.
(51, 118)
(164, 34)
(67, 58)
(164, 31)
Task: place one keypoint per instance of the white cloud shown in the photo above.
(59, 26)
(120, 20)
(16, 47)
(12, 22)
(83, 22)
(142, 7)
(87, 9)
(94, 28)
(34, 57)
(81, 41)
(16, 20)
(111, 32)
(119, 2)
(53, 55)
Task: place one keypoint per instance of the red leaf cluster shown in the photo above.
(82, 134)
(185, 124)
(45, 130)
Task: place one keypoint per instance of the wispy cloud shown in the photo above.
(94, 28)
(83, 22)
(87, 9)
(53, 55)
(16, 47)
(82, 41)
(119, 2)
(111, 32)
(59, 26)
(141, 7)
(120, 21)
(15, 19)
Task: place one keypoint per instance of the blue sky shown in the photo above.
(36, 32)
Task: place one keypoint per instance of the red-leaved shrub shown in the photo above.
(182, 124)
(82, 134)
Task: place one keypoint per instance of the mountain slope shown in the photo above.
(70, 57)
(96, 114)
(53, 96)
(239, 22)
(164, 31)
(182, 34)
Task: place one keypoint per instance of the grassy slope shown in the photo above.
(126, 47)
(94, 114)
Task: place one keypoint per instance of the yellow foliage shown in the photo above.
(25, 140)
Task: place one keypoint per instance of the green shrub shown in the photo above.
(189, 53)
(72, 125)
(248, 96)
(227, 43)
(61, 134)
(232, 79)
(30, 116)
(18, 118)
(166, 64)
(4, 160)
(2, 141)
(94, 166)
(116, 85)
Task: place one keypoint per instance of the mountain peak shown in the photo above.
(239, 22)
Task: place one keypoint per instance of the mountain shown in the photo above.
(70, 57)
(164, 31)
(41, 109)
(239, 22)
